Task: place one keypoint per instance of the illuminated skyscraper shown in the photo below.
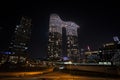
(72, 41)
(21, 38)
(55, 37)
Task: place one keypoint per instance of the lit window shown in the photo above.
(17, 26)
(26, 47)
(56, 42)
(23, 30)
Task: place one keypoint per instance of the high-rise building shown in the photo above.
(55, 46)
(72, 41)
(21, 38)
(55, 38)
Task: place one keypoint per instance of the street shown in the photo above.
(58, 76)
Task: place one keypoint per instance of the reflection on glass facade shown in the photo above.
(55, 37)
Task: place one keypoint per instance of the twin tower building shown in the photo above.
(63, 39)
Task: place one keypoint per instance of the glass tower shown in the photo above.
(55, 45)
(55, 38)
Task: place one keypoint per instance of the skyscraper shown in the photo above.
(72, 41)
(55, 47)
(21, 38)
(55, 38)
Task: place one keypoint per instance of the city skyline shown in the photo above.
(98, 22)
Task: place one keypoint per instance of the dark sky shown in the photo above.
(98, 21)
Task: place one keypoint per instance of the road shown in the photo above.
(58, 76)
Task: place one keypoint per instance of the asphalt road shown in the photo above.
(58, 76)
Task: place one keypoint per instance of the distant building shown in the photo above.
(72, 41)
(92, 56)
(110, 52)
(55, 38)
(116, 39)
(55, 46)
(20, 43)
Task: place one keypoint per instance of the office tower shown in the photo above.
(55, 46)
(21, 38)
(116, 40)
(55, 38)
(72, 41)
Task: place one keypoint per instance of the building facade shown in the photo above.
(111, 53)
(55, 38)
(20, 43)
(55, 46)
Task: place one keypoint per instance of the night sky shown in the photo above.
(98, 21)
